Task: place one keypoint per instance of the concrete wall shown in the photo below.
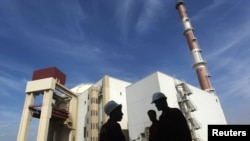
(115, 89)
(139, 97)
(118, 94)
(136, 100)
(139, 102)
(82, 91)
(209, 110)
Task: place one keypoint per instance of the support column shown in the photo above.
(45, 116)
(106, 95)
(26, 118)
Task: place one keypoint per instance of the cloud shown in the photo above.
(233, 77)
(228, 53)
(148, 15)
(9, 130)
(214, 5)
(229, 39)
(10, 84)
(123, 17)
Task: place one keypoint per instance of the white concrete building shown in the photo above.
(205, 107)
(136, 100)
(92, 98)
(77, 114)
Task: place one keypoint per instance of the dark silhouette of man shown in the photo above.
(153, 129)
(172, 123)
(111, 130)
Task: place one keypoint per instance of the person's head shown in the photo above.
(152, 115)
(113, 110)
(159, 99)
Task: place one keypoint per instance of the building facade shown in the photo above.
(200, 107)
(92, 98)
(77, 114)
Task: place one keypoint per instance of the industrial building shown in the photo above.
(77, 114)
(92, 98)
(200, 107)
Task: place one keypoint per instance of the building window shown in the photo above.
(94, 100)
(84, 132)
(94, 125)
(94, 113)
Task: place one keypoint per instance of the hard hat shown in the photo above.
(157, 96)
(110, 106)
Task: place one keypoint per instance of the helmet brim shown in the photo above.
(161, 98)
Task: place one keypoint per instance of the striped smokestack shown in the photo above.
(199, 64)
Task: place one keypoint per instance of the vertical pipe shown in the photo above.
(199, 64)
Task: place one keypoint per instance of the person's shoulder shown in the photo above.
(176, 110)
(113, 124)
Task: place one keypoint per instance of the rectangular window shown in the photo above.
(84, 132)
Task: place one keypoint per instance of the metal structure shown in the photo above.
(56, 114)
(187, 107)
(199, 64)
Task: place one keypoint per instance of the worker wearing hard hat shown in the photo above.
(153, 128)
(111, 130)
(172, 123)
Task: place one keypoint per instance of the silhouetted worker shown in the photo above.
(153, 129)
(111, 130)
(172, 123)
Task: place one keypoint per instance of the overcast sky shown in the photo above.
(126, 39)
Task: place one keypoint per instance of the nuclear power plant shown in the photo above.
(77, 114)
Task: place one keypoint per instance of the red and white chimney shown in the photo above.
(199, 64)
